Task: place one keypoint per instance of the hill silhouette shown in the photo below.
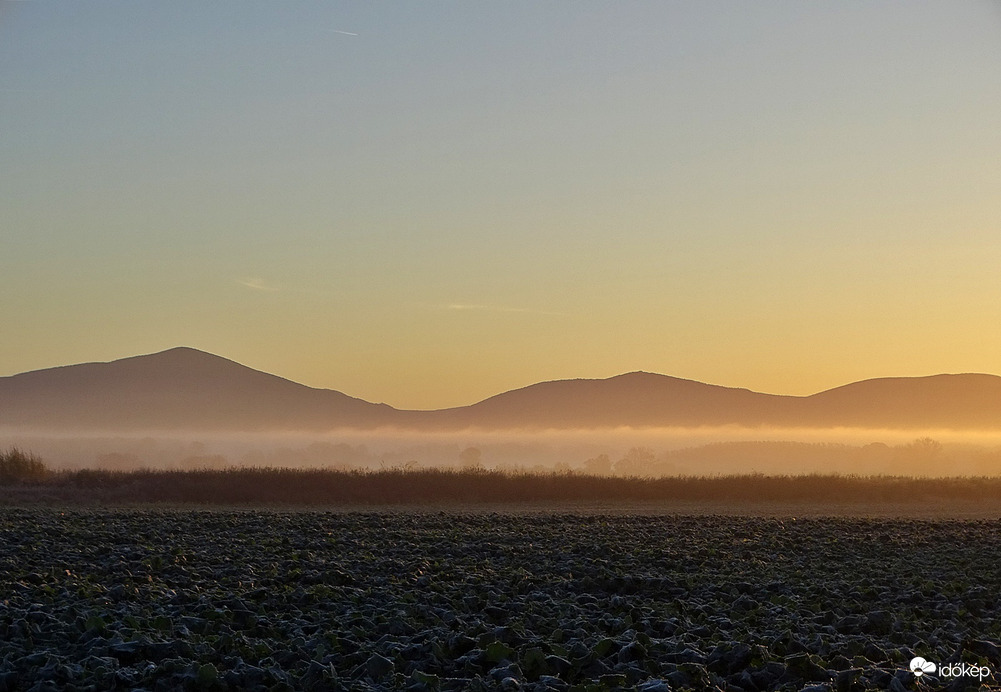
(178, 388)
(633, 399)
(183, 388)
(967, 401)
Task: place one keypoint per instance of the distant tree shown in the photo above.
(926, 448)
(923, 457)
(600, 465)
(470, 459)
(563, 468)
(638, 461)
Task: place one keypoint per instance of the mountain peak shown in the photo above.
(179, 355)
(179, 388)
(186, 388)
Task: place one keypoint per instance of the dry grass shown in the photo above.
(806, 495)
(18, 466)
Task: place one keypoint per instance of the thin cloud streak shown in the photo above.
(256, 284)
(495, 308)
(346, 33)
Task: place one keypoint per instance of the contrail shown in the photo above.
(346, 33)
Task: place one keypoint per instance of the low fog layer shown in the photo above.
(640, 452)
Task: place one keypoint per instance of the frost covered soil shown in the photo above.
(267, 600)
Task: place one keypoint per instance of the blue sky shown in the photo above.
(427, 203)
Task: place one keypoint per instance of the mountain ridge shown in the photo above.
(186, 388)
(167, 389)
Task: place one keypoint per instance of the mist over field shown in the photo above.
(651, 452)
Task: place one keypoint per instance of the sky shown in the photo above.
(426, 204)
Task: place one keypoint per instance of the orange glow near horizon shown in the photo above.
(427, 207)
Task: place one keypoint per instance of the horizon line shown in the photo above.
(515, 389)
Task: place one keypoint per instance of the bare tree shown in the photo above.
(600, 465)
(470, 459)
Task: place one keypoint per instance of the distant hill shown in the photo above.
(179, 388)
(634, 399)
(184, 388)
(967, 401)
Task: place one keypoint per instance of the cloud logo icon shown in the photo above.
(919, 666)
